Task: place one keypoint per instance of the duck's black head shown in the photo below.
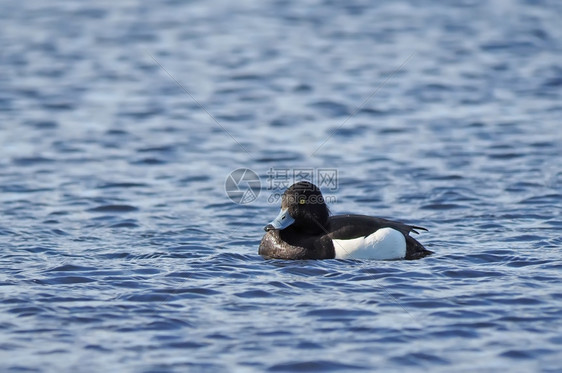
(302, 207)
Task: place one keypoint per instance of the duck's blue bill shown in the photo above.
(282, 221)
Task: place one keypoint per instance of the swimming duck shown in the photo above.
(304, 229)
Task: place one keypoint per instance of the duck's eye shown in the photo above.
(302, 201)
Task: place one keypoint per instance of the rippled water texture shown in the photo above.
(120, 250)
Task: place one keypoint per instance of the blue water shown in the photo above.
(120, 121)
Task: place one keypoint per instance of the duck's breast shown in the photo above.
(384, 244)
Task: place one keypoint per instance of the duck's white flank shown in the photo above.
(384, 244)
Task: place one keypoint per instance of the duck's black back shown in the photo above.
(345, 227)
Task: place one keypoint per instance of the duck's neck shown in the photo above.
(312, 227)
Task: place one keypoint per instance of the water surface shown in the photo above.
(120, 122)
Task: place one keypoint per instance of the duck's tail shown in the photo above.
(414, 227)
(414, 249)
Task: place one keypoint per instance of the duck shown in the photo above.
(304, 229)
